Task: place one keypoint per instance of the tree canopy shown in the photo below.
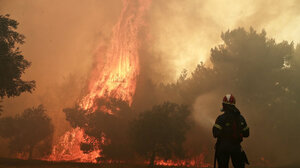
(12, 62)
(160, 132)
(263, 76)
(111, 119)
(30, 130)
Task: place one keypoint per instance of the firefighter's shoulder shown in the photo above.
(242, 119)
(220, 122)
(221, 118)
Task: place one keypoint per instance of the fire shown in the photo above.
(198, 161)
(115, 79)
(118, 76)
(69, 147)
(22, 156)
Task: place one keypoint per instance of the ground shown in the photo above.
(16, 163)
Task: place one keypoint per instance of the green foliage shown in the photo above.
(161, 131)
(12, 62)
(32, 128)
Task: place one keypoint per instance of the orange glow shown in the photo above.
(195, 162)
(116, 78)
(22, 155)
(68, 148)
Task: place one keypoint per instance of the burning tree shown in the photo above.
(112, 129)
(115, 128)
(161, 131)
(113, 78)
(30, 130)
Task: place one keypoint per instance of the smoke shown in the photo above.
(260, 73)
(60, 42)
(184, 31)
(63, 36)
(205, 110)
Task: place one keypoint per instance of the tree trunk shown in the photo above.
(152, 159)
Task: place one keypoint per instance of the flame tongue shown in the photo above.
(118, 76)
(115, 79)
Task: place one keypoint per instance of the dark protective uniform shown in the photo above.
(229, 129)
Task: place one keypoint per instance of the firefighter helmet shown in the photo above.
(229, 99)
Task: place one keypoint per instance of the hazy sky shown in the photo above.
(186, 29)
(62, 37)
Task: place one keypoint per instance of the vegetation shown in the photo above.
(161, 131)
(263, 76)
(260, 72)
(30, 130)
(12, 62)
(100, 123)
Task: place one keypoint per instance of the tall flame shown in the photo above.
(118, 76)
(115, 79)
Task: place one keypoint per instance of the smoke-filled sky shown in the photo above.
(62, 37)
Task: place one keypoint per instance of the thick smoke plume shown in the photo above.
(261, 72)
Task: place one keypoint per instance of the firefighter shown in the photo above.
(229, 129)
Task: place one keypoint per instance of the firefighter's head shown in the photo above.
(229, 99)
(228, 102)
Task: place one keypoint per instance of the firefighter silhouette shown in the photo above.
(229, 129)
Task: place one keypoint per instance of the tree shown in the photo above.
(110, 119)
(263, 75)
(12, 62)
(33, 128)
(161, 131)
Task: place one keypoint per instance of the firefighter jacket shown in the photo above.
(231, 126)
